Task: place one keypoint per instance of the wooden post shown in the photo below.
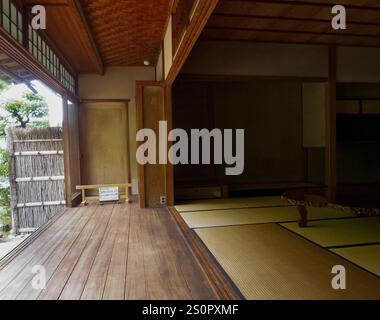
(154, 179)
(129, 159)
(12, 182)
(331, 120)
(66, 156)
(139, 126)
(169, 166)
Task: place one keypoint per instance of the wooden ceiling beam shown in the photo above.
(284, 18)
(294, 21)
(295, 10)
(202, 11)
(290, 25)
(82, 16)
(316, 3)
(289, 32)
(361, 3)
(279, 40)
(69, 32)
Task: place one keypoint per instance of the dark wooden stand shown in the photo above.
(303, 213)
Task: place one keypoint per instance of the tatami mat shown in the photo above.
(338, 233)
(231, 203)
(268, 262)
(232, 217)
(368, 257)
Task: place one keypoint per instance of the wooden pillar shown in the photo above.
(331, 179)
(12, 182)
(66, 146)
(169, 167)
(153, 104)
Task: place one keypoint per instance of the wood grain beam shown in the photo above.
(274, 18)
(297, 10)
(200, 16)
(293, 31)
(316, 3)
(80, 12)
(245, 78)
(273, 37)
(258, 15)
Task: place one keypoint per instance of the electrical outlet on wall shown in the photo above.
(163, 200)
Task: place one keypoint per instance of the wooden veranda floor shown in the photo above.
(107, 252)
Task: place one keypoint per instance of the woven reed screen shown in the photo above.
(36, 179)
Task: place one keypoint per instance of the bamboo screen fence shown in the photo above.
(36, 176)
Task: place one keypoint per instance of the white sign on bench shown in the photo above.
(107, 194)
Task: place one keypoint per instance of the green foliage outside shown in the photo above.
(28, 112)
(23, 113)
(3, 85)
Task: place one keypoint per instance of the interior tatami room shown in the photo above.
(310, 114)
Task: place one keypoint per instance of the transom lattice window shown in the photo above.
(12, 21)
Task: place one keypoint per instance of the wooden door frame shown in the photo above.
(331, 143)
(169, 180)
(72, 199)
(66, 153)
(128, 151)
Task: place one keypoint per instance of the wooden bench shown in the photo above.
(86, 198)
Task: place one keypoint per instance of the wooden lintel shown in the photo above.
(246, 78)
(314, 4)
(202, 12)
(285, 18)
(126, 101)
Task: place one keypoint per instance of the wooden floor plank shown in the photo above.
(200, 289)
(135, 287)
(114, 288)
(157, 270)
(32, 239)
(167, 261)
(58, 280)
(75, 285)
(96, 252)
(24, 278)
(53, 261)
(95, 284)
(34, 253)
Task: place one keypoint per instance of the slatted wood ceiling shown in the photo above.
(128, 31)
(293, 21)
(92, 34)
(97, 33)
